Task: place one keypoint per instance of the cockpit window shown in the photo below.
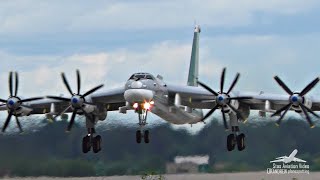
(132, 77)
(141, 76)
(149, 77)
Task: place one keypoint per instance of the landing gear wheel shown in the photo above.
(146, 136)
(138, 136)
(231, 142)
(96, 144)
(240, 142)
(86, 146)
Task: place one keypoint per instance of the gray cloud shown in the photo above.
(258, 58)
(41, 74)
(36, 17)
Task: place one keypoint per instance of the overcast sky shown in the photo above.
(110, 40)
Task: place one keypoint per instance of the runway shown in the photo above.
(218, 176)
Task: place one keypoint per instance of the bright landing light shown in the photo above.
(135, 105)
(146, 106)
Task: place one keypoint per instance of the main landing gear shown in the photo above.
(142, 122)
(90, 141)
(235, 139)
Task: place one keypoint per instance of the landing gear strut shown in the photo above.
(90, 141)
(235, 139)
(142, 122)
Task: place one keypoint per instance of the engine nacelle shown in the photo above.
(102, 115)
(89, 108)
(244, 110)
(101, 111)
(234, 103)
(23, 111)
(307, 102)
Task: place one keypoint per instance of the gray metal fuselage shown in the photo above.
(164, 105)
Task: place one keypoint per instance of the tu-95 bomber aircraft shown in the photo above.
(177, 104)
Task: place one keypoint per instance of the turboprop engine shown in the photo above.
(224, 100)
(297, 101)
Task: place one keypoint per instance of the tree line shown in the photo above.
(50, 151)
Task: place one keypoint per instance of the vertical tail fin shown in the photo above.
(194, 61)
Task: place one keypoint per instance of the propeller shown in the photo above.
(223, 99)
(14, 102)
(77, 100)
(296, 99)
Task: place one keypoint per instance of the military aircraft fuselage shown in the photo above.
(145, 90)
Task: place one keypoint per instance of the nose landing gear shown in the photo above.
(142, 112)
(142, 134)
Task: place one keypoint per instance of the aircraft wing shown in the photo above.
(277, 101)
(45, 105)
(42, 106)
(3, 107)
(198, 97)
(192, 96)
(112, 99)
(298, 160)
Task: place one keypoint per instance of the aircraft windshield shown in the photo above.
(141, 76)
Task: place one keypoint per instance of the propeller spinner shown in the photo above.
(297, 100)
(14, 103)
(223, 99)
(77, 100)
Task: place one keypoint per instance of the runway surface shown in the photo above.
(219, 176)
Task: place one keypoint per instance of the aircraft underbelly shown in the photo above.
(174, 114)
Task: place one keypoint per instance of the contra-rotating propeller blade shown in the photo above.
(77, 100)
(296, 99)
(10, 84)
(73, 116)
(14, 102)
(65, 81)
(78, 81)
(6, 123)
(17, 85)
(223, 99)
(18, 124)
(92, 91)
